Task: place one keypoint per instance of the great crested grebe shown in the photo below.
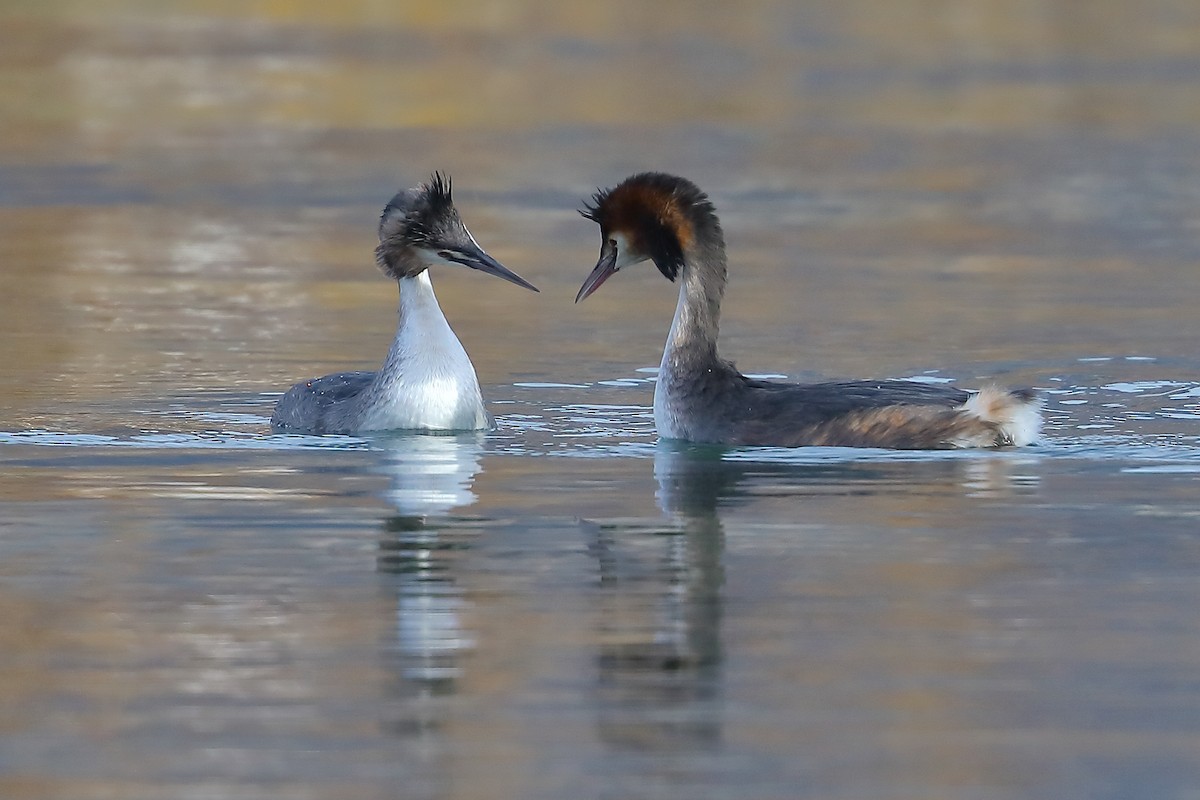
(700, 397)
(427, 381)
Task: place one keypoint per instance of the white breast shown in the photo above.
(668, 415)
(427, 382)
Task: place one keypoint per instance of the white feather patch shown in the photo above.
(427, 382)
(1019, 420)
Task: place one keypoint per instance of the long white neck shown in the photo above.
(427, 382)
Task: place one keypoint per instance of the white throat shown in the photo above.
(427, 382)
(667, 419)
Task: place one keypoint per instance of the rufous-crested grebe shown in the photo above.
(427, 381)
(700, 397)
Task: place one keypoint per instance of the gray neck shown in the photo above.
(693, 337)
(690, 366)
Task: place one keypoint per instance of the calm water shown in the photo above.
(565, 607)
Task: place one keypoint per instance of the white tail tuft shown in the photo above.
(1018, 414)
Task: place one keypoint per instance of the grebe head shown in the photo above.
(420, 227)
(650, 216)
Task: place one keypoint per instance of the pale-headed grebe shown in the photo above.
(700, 397)
(427, 381)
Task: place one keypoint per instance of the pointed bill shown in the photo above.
(473, 256)
(606, 267)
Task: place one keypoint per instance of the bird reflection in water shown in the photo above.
(660, 612)
(430, 477)
(660, 688)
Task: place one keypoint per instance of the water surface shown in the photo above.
(565, 606)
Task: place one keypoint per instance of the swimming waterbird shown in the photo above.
(701, 397)
(427, 381)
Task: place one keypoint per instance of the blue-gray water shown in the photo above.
(565, 607)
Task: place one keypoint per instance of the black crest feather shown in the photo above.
(439, 192)
(433, 209)
(591, 209)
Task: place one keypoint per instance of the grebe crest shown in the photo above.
(650, 216)
(701, 397)
(427, 381)
(421, 227)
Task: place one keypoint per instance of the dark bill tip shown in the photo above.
(477, 259)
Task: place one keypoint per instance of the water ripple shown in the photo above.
(1115, 420)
